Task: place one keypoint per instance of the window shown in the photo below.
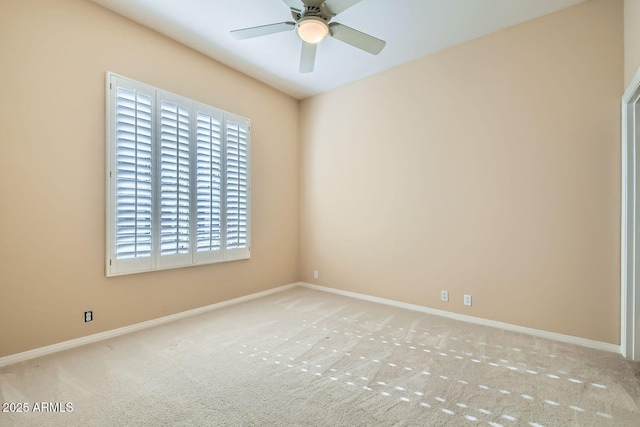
(178, 181)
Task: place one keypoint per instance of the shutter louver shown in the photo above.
(174, 179)
(237, 185)
(133, 174)
(209, 183)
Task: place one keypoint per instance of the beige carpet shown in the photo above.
(309, 358)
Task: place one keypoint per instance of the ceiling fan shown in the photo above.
(312, 21)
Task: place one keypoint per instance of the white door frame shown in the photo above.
(630, 223)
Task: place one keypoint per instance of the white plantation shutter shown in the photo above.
(237, 175)
(209, 185)
(133, 175)
(174, 172)
(178, 184)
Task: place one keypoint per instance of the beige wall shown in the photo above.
(631, 39)
(54, 56)
(491, 168)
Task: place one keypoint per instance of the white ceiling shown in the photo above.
(411, 28)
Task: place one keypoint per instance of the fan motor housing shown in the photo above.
(317, 11)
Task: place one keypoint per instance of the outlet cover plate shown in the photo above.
(444, 296)
(467, 300)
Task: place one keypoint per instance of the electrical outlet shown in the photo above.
(88, 316)
(444, 296)
(315, 274)
(467, 300)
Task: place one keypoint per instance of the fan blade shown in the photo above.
(262, 30)
(296, 5)
(337, 6)
(307, 57)
(356, 38)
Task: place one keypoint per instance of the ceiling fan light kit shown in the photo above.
(312, 29)
(312, 19)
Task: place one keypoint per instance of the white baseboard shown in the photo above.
(471, 319)
(66, 345)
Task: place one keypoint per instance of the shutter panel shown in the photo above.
(174, 165)
(237, 194)
(133, 174)
(209, 184)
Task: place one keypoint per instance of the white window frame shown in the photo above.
(155, 260)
